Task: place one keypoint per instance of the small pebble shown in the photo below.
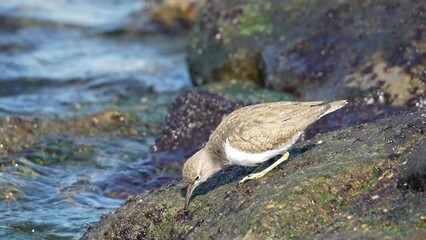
(390, 175)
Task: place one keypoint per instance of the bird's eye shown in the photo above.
(197, 178)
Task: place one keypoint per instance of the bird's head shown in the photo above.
(197, 169)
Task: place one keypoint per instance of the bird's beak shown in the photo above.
(189, 191)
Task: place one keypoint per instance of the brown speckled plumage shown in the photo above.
(261, 127)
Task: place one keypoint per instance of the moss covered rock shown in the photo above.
(368, 51)
(349, 184)
(21, 133)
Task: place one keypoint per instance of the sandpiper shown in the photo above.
(252, 135)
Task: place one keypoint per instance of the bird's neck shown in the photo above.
(217, 152)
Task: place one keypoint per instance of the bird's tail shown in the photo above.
(334, 106)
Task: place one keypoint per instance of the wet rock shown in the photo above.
(346, 187)
(191, 118)
(348, 116)
(159, 16)
(315, 50)
(21, 133)
(413, 172)
(174, 13)
(150, 171)
(17, 133)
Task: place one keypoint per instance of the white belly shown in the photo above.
(241, 158)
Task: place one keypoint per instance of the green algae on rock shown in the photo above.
(368, 51)
(19, 133)
(340, 184)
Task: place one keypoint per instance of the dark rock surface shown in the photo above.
(364, 51)
(350, 115)
(413, 174)
(191, 118)
(348, 184)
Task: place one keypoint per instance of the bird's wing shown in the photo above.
(263, 127)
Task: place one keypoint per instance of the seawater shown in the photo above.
(58, 59)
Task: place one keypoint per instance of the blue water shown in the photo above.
(61, 58)
(57, 54)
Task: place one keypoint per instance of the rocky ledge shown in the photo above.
(365, 181)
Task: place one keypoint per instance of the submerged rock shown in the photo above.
(344, 184)
(370, 51)
(21, 133)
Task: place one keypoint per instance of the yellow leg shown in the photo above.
(266, 170)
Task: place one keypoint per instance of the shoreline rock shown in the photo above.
(366, 52)
(350, 183)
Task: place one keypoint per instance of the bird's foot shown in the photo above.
(265, 171)
(253, 176)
